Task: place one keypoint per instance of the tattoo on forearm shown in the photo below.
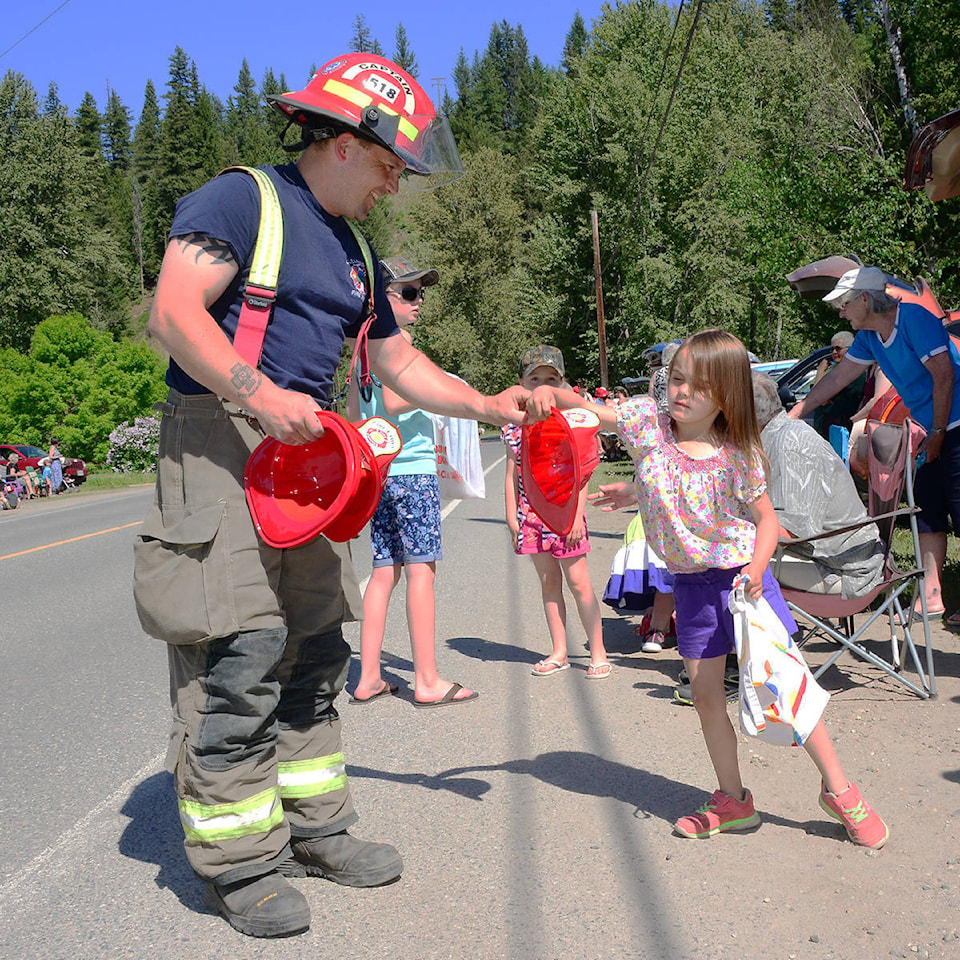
(215, 250)
(245, 379)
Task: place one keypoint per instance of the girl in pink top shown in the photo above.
(702, 494)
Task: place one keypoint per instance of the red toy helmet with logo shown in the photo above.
(380, 102)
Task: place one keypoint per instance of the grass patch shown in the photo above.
(611, 471)
(109, 480)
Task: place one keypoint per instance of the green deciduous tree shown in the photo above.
(77, 383)
(486, 309)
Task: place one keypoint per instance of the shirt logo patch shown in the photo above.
(358, 277)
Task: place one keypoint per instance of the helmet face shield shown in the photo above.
(383, 104)
(431, 156)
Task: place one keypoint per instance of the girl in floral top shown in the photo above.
(702, 494)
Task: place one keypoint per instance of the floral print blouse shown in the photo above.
(695, 512)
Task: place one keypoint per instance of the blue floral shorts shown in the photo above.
(406, 525)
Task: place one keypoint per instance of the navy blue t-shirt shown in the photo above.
(322, 289)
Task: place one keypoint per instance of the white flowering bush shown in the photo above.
(133, 446)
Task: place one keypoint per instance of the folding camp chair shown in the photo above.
(890, 453)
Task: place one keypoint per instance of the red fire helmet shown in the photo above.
(371, 95)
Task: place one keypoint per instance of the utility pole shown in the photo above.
(598, 282)
(440, 83)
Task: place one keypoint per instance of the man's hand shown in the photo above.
(286, 415)
(541, 402)
(614, 496)
(508, 406)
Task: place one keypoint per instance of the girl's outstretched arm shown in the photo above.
(545, 397)
(768, 530)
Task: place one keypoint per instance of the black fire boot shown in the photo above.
(265, 906)
(344, 859)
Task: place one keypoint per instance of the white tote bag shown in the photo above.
(459, 467)
(780, 701)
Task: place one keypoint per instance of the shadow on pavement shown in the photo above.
(154, 835)
(651, 795)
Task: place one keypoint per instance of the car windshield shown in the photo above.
(31, 451)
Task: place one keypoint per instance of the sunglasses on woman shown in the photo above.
(411, 294)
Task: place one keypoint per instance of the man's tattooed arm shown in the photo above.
(245, 379)
(205, 248)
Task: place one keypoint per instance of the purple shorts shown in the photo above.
(704, 624)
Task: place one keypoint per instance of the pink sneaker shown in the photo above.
(719, 814)
(863, 825)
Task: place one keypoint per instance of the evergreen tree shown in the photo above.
(244, 130)
(55, 251)
(403, 55)
(575, 44)
(52, 104)
(116, 133)
(186, 151)
(148, 231)
(274, 122)
(118, 189)
(362, 39)
(497, 97)
(88, 127)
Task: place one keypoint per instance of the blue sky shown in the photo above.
(96, 45)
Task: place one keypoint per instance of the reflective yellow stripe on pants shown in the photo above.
(311, 778)
(206, 823)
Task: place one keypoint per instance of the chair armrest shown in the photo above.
(902, 512)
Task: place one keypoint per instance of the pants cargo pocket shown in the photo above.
(182, 577)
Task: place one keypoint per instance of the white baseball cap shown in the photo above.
(859, 279)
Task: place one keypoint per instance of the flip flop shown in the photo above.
(555, 666)
(953, 620)
(388, 689)
(599, 671)
(448, 698)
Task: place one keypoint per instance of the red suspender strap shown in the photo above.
(260, 290)
(252, 326)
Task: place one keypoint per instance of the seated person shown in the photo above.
(846, 404)
(812, 492)
(14, 470)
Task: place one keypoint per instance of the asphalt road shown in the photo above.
(534, 822)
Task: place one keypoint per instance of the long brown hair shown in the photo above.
(720, 368)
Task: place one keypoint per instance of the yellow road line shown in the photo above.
(60, 543)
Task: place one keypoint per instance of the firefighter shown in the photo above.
(256, 652)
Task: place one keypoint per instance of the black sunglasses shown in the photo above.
(412, 294)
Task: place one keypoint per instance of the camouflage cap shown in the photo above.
(541, 356)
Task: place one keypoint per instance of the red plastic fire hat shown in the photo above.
(331, 485)
(557, 456)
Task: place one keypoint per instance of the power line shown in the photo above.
(32, 29)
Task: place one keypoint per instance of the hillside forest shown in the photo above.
(722, 144)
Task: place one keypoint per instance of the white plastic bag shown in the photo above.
(459, 467)
(780, 701)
